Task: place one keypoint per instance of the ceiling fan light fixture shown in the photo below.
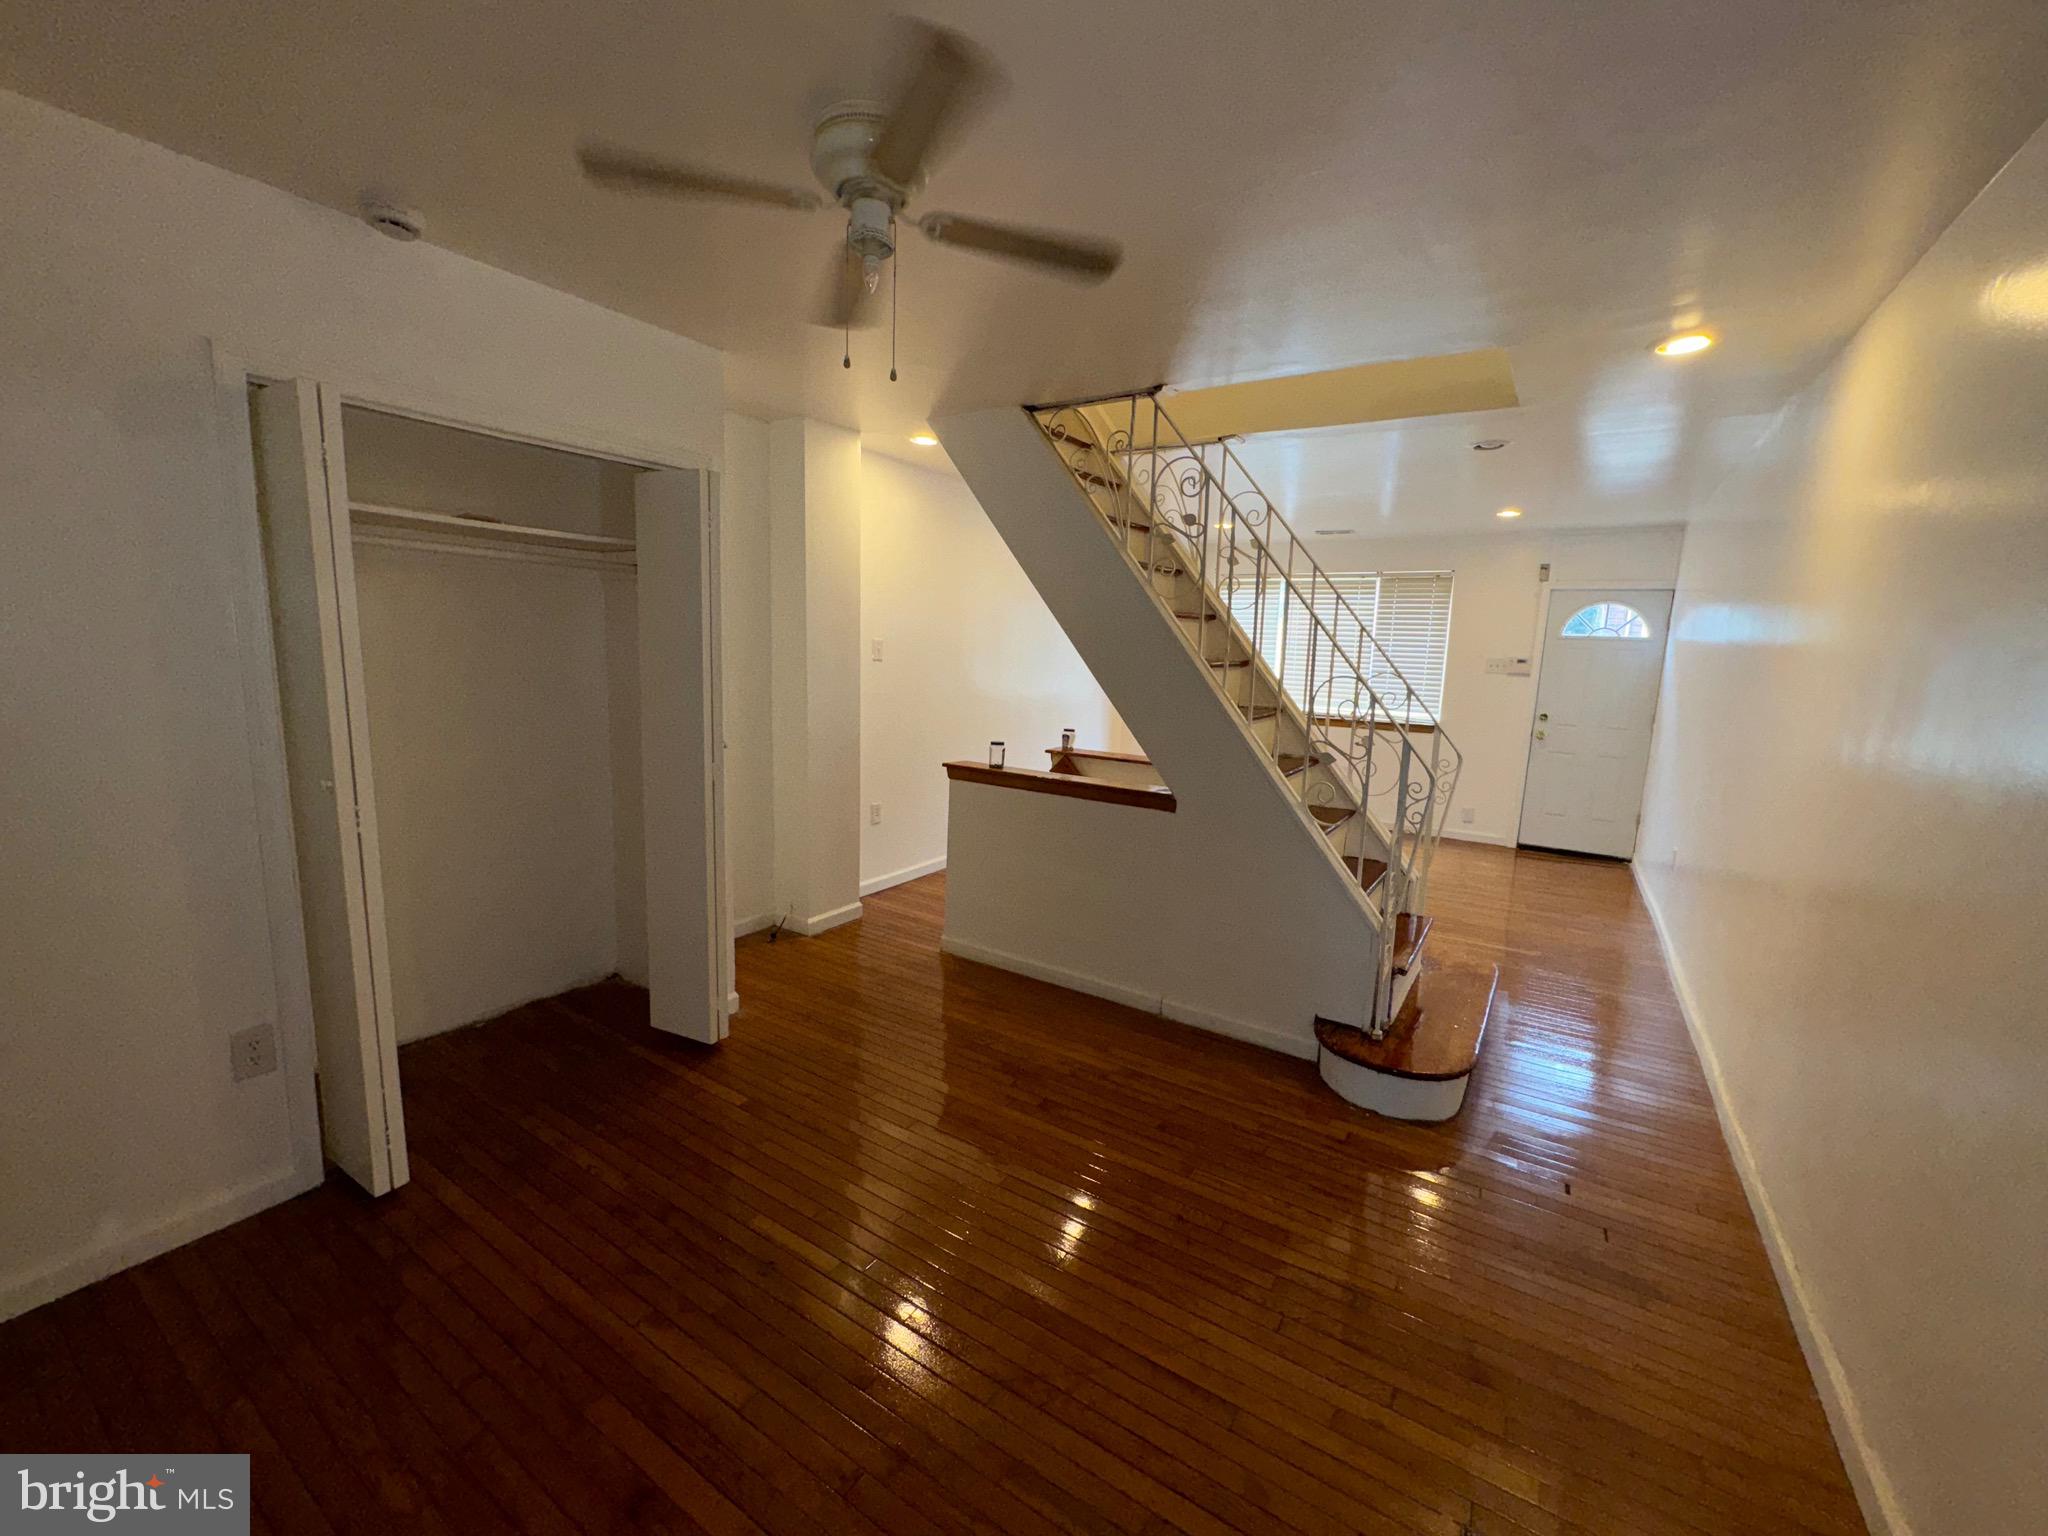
(872, 159)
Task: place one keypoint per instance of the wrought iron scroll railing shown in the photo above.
(1370, 741)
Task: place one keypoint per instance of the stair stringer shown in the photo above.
(1281, 933)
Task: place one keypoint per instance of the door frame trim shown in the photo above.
(240, 533)
(1546, 591)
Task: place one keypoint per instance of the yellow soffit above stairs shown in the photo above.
(1414, 386)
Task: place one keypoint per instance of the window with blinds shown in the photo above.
(1408, 612)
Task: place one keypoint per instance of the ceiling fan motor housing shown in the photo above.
(842, 153)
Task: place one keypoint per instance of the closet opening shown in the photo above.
(486, 650)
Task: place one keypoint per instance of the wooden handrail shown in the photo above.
(1154, 798)
(1108, 757)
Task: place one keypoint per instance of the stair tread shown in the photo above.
(1212, 617)
(1369, 871)
(1410, 929)
(1258, 711)
(1332, 815)
(1240, 661)
(1438, 1032)
(1292, 763)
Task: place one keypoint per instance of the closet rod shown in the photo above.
(526, 554)
(482, 530)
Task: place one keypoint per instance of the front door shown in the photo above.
(1589, 746)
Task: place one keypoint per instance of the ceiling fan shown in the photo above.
(872, 160)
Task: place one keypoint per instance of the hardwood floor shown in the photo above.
(927, 1246)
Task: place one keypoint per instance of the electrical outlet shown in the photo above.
(875, 814)
(875, 649)
(1465, 815)
(252, 1052)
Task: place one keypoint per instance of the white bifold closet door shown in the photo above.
(689, 934)
(302, 495)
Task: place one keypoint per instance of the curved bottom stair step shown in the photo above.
(1420, 1069)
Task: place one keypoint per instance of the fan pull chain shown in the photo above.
(895, 265)
(846, 353)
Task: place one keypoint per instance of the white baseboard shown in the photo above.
(1874, 1492)
(1132, 997)
(1303, 1048)
(1467, 835)
(747, 925)
(903, 876)
(824, 922)
(21, 1293)
(1074, 981)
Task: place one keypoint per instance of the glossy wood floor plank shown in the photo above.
(925, 1246)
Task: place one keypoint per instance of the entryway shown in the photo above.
(1596, 701)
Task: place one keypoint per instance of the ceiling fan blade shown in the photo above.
(950, 78)
(630, 171)
(844, 302)
(1071, 255)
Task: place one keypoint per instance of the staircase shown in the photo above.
(1344, 733)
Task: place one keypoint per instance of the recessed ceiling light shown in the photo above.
(1489, 445)
(1509, 512)
(924, 440)
(1684, 346)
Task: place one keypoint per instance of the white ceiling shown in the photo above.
(1299, 187)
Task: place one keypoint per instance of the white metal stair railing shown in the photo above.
(1348, 734)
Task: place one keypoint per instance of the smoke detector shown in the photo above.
(390, 219)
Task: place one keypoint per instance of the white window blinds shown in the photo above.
(1407, 612)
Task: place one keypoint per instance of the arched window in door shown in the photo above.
(1606, 621)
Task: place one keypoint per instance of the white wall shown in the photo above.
(491, 740)
(744, 621)
(398, 461)
(814, 685)
(132, 876)
(970, 653)
(628, 798)
(1496, 605)
(1844, 844)
(504, 728)
(1128, 903)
